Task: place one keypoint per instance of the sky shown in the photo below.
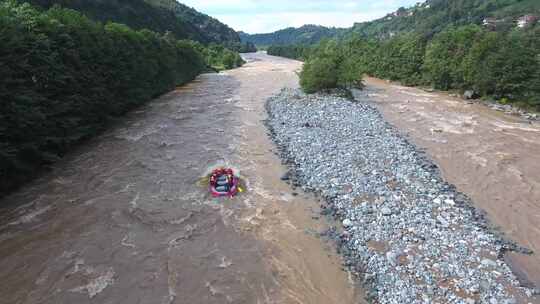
(264, 16)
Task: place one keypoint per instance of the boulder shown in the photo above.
(470, 94)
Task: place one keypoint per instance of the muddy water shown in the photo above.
(491, 156)
(123, 219)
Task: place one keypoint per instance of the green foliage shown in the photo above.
(247, 47)
(167, 17)
(305, 35)
(445, 56)
(210, 29)
(434, 16)
(157, 15)
(497, 64)
(299, 52)
(242, 47)
(219, 58)
(400, 58)
(427, 18)
(64, 77)
(319, 74)
(331, 65)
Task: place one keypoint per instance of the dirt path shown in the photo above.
(124, 220)
(490, 156)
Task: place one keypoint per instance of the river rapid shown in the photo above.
(126, 219)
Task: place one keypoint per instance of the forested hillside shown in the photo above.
(433, 16)
(427, 18)
(157, 15)
(307, 34)
(486, 47)
(211, 29)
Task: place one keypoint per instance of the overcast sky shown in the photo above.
(263, 16)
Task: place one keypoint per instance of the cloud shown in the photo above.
(261, 16)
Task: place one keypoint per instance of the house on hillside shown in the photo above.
(527, 20)
(401, 12)
(492, 23)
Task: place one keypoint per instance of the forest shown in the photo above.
(426, 18)
(448, 45)
(65, 77)
(433, 16)
(501, 65)
(305, 35)
(161, 16)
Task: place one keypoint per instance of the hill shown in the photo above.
(307, 34)
(212, 29)
(427, 18)
(433, 16)
(157, 15)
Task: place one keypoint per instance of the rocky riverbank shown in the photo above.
(409, 235)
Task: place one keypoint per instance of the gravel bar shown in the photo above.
(409, 236)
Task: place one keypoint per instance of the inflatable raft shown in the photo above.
(223, 182)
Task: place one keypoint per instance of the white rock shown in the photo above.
(392, 257)
(386, 211)
(450, 202)
(347, 223)
(489, 263)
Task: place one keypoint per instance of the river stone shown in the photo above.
(347, 223)
(386, 211)
(489, 263)
(469, 94)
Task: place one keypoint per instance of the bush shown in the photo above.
(221, 58)
(318, 74)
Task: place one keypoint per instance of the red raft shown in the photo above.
(223, 183)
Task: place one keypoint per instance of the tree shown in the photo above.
(445, 54)
(319, 74)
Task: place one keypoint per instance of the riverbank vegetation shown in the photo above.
(501, 65)
(64, 77)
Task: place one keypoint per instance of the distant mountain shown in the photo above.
(157, 15)
(307, 34)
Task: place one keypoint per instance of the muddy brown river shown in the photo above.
(491, 156)
(125, 219)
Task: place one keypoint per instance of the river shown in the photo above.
(125, 219)
(491, 156)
